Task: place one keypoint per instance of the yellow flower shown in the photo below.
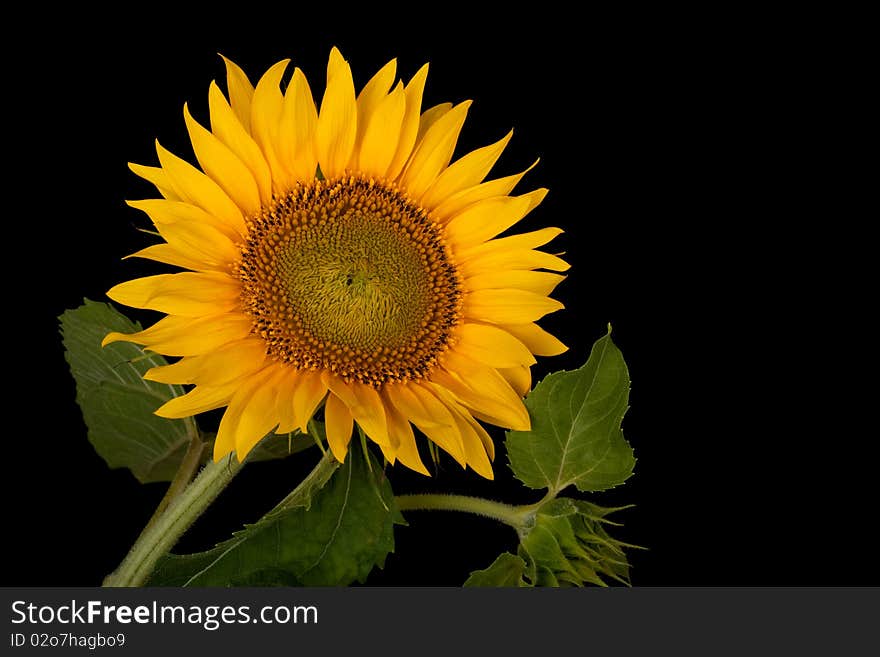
(338, 258)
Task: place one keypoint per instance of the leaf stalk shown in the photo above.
(518, 517)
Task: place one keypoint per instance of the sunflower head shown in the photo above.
(335, 259)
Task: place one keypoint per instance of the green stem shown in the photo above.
(161, 535)
(189, 466)
(515, 516)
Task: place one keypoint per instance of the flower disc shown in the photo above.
(350, 277)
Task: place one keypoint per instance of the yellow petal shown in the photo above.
(466, 172)
(376, 89)
(195, 187)
(408, 453)
(519, 378)
(372, 95)
(409, 127)
(223, 166)
(198, 400)
(200, 241)
(248, 417)
(508, 306)
(337, 122)
(307, 396)
(165, 327)
(535, 198)
(299, 119)
(257, 419)
(181, 372)
(228, 363)
(284, 411)
(539, 282)
(382, 134)
(475, 452)
(370, 413)
(401, 434)
(401, 396)
(433, 153)
(339, 425)
(482, 389)
(492, 346)
(228, 129)
(188, 294)
(266, 109)
(482, 434)
(498, 401)
(429, 117)
(241, 91)
(472, 442)
(458, 202)
(184, 336)
(169, 212)
(536, 339)
(157, 176)
(170, 256)
(430, 415)
(448, 435)
(365, 406)
(390, 453)
(511, 259)
(510, 253)
(484, 220)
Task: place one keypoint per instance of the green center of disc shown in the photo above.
(357, 281)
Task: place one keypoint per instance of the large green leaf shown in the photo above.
(576, 436)
(331, 531)
(117, 403)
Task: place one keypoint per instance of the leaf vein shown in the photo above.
(338, 521)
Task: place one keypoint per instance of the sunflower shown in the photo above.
(337, 259)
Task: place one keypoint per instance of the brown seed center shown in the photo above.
(348, 275)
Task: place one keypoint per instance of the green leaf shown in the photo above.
(116, 402)
(576, 436)
(575, 439)
(506, 570)
(331, 531)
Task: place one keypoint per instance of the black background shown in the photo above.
(666, 141)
